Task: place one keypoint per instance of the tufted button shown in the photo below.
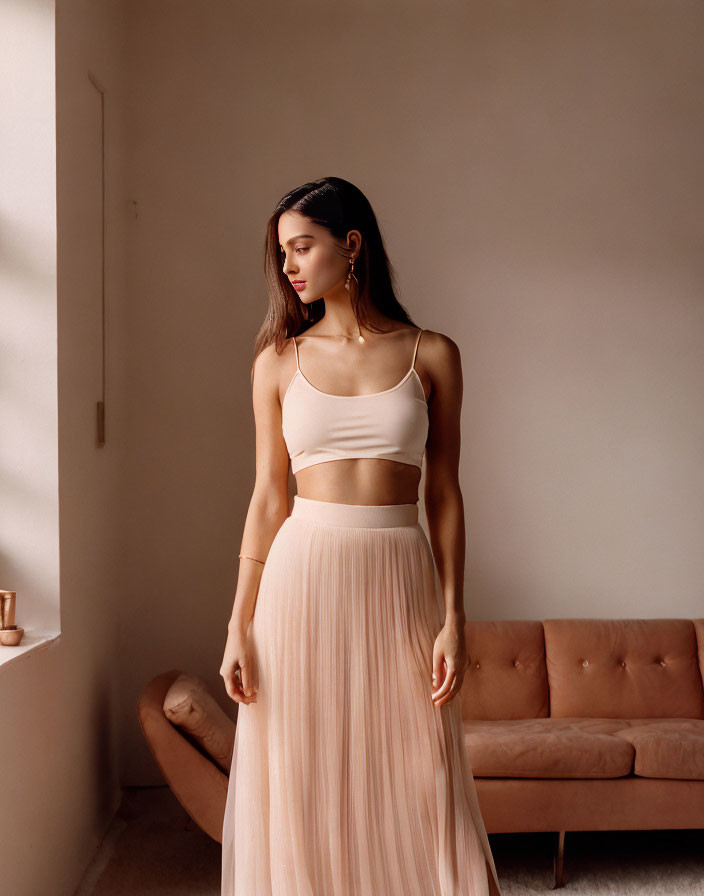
(585, 662)
(477, 665)
(662, 662)
(515, 662)
(623, 663)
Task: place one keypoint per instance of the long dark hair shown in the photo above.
(339, 206)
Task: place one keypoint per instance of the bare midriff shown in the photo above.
(360, 480)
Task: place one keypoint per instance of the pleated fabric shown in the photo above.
(346, 780)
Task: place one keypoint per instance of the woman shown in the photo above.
(350, 775)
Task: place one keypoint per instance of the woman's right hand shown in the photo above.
(238, 668)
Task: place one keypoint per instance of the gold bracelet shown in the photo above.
(246, 556)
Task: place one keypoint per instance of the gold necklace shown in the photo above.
(360, 338)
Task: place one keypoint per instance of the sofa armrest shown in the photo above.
(196, 781)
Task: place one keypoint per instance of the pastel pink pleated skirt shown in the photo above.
(346, 780)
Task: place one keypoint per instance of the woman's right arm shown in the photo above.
(268, 508)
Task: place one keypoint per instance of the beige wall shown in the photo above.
(60, 537)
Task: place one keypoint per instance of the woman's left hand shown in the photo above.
(450, 662)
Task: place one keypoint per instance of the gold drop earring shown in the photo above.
(350, 273)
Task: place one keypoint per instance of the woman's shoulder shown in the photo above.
(440, 358)
(272, 362)
(439, 342)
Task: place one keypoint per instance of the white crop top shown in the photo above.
(319, 426)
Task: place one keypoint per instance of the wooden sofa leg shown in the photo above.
(559, 860)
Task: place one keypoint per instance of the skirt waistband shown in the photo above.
(367, 515)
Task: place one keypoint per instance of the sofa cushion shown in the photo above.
(548, 748)
(623, 668)
(667, 748)
(506, 677)
(190, 705)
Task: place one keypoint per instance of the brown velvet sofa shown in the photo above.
(570, 724)
(586, 724)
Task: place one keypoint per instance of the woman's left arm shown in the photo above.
(445, 511)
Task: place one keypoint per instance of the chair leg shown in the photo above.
(559, 860)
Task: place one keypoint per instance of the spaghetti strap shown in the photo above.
(295, 348)
(415, 351)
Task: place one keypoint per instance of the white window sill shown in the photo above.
(31, 641)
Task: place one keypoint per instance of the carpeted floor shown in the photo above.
(153, 848)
